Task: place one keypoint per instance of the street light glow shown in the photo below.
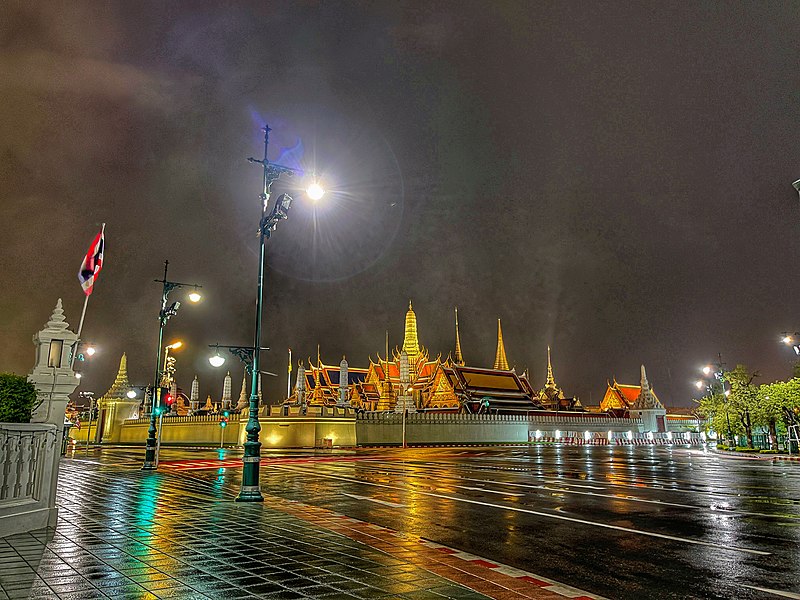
(194, 296)
(787, 340)
(707, 370)
(78, 375)
(216, 360)
(175, 345)
(91, 350)
(315, 191)
(131, 394)
(699, 385)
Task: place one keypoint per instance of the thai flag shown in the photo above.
(91, 265)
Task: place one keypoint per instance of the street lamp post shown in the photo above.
(89, 395)
(718, 374)
(250, 490)
(150, 454)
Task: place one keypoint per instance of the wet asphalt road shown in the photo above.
(638, 522)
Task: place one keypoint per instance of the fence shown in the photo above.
(28, 458)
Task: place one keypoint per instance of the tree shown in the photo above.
(714, 408)
(779, 402)
(17, 398)
(743, 398)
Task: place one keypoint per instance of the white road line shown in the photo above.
(724, 511)
(392, 504)
(535, 512)
(569, 484)
(480, 489)
(770, 591)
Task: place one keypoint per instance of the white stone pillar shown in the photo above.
(54, 380)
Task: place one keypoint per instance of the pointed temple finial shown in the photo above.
(551, 381)
(121, 385)
(500, 360)
(410, 340)
(646, 398)
(459, 359)
(57, 321)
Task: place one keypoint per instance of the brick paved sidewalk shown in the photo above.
(125, 533)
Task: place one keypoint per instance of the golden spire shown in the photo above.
(121, 385)
(410, 341)
(500, 360)
(551, 382)
(459, 357)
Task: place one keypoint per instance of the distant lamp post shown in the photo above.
(164, 314)
(131, 394)
(250, 490)
(718, 374)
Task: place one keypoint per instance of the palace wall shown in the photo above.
(287, 427)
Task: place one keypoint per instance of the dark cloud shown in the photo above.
(613, 181)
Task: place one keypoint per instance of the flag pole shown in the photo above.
(83, 314)
(289, 377)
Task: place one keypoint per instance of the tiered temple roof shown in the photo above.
(622, 397)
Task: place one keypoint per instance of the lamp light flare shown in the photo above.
(175, 345)
(787, 340)
(78, 375)
(707, 370)
(699, 385)
(315, 191)
(91, 350)
(195, 296)
(216, 360)
(131, 394)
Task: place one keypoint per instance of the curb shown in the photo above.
(537, 580)
(756, 456)
(487, 577)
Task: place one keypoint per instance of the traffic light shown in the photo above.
(223, 419)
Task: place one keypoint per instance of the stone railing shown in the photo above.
(180, 419)
(29, 454)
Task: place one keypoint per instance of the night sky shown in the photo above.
(610, 179)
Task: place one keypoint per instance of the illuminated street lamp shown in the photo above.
(166, 312)
(131, 394)
(718, 377)
(251, 490)
(793, 340)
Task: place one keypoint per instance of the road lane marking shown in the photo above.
(716, 510)
(480, 489)
(387, 503)
(771, 591)
(534, 512)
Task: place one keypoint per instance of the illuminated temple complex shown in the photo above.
(410, 379)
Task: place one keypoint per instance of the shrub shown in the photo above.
(722, 446)
(17, 398)
(745, 449)
(768, 452)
